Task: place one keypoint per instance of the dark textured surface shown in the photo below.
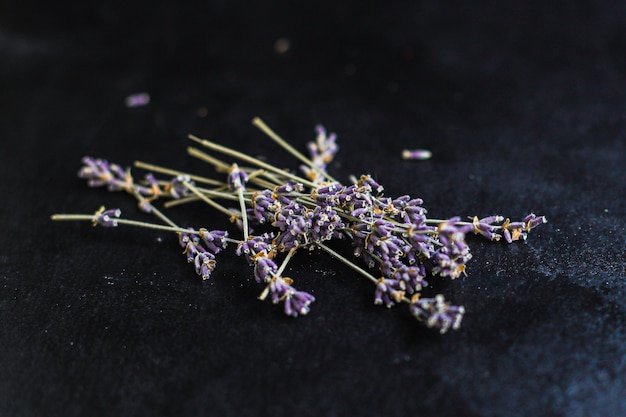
(522, 103)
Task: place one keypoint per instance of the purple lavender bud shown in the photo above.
(177, 188)
(324, 148)
(512, 231)
(107, 218)
(99, 172)
(413, 277)
(362, 213)
(388, 292)
(368, 180)
(286, 241)
(531, 221)
(278, 288)
(507, 235)
(204, 263)
(297, 302)
(152, 182)
(490, 219)
(191, 250)
(485, 226)
(137, 100)
(449, 265)
(288, 188)
(265, 206)
(184, 239)
(214, 240)
(144, 205)
(381, 227)
(237, 178)
(452, 236)
(416, 154)
(329, 189)
(264, 269)
(118, 171)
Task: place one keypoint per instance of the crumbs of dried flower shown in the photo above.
(393, 236)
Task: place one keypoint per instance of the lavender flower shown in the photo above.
(264, 268)
(531, 221)
(437, 313)
(389, 291)
(513, 230)
(214, 240)
(265, 206)
(237, 178)
(202, 258)
(322, 152)
(176, 187)
(486, 227)
(295, 302)
(99, 173)
(255, 245)
(106, 218)
(205, 264)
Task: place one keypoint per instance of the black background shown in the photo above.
(523, 105)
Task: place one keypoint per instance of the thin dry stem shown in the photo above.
(258, 122)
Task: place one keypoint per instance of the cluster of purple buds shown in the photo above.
(301, 226)
(176, 188)
(453, 253)
(260, 251)
(237, 178)
(389, 291)
(322, 151)
(437, 313)
(394, 234)
(256, 245)
(106, 218)
(295, 302)
(203, 257)
(511, 231)
(100, 173)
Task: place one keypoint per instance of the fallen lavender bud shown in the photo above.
(137, 100)
(417, 154)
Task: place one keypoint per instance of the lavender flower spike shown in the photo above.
(437, 313)
(297, 302)
(106, 218)
(236, 178)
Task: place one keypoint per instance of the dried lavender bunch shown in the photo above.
(392, 236)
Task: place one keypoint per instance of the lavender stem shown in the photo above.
(91, 217)
(258, 122)
(347, 262)
(168, 171)
(231, 152)
(282, 267)
(208, 200)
